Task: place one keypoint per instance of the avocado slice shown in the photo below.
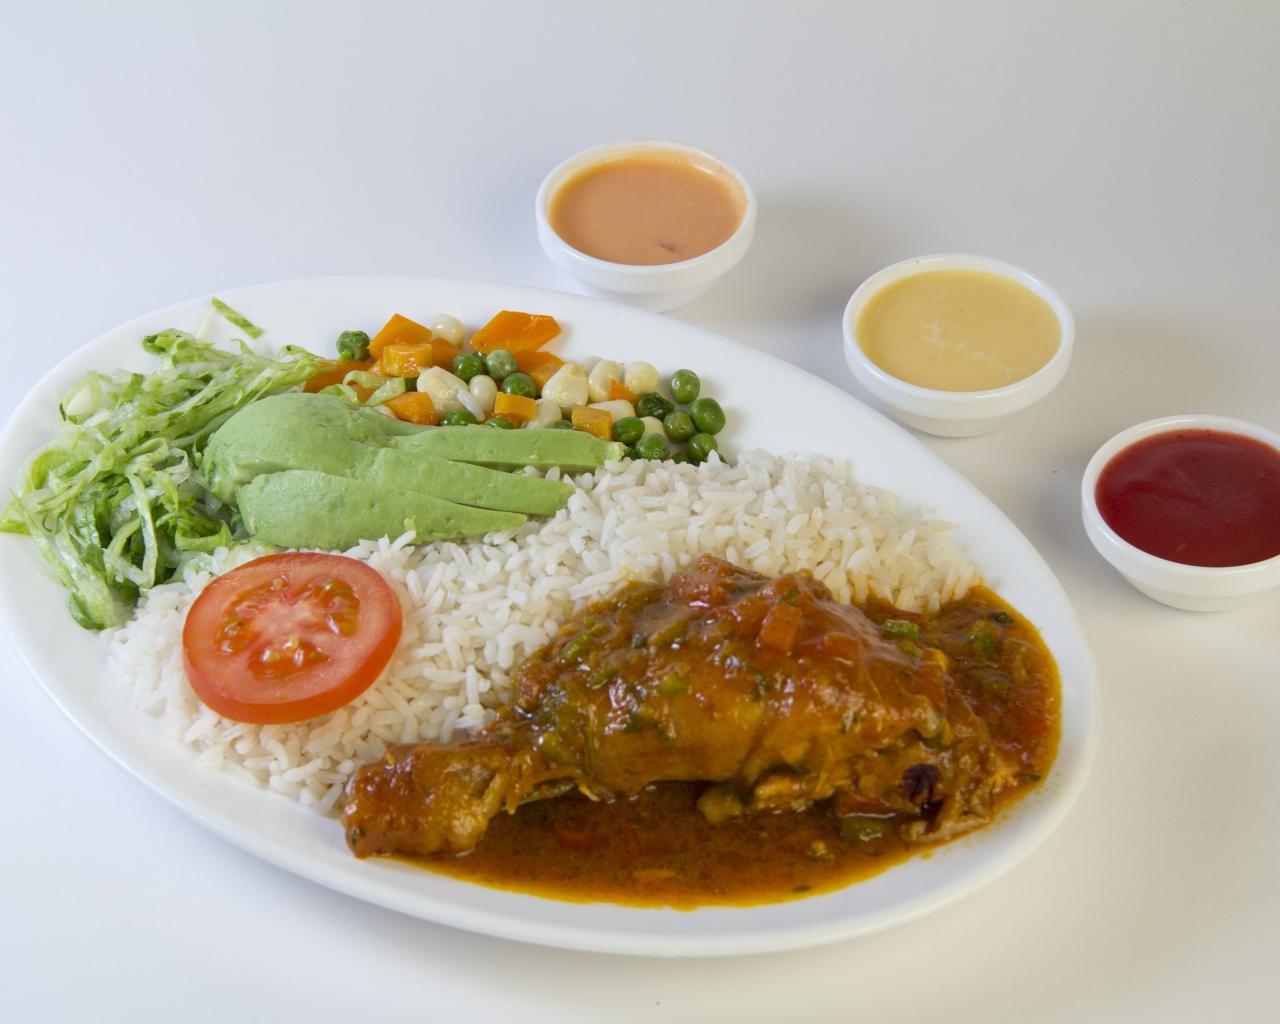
(324, 433)
(307, 509)
(571, 450)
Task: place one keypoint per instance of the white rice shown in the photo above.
(473, 610)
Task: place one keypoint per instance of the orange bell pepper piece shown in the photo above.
(401, 360)
(619, 390)
(413, 407)
(541, 366)
(596, 422)
(443, 354)
(516, 408)
(333, 372)
(516, 332)
(399, 330)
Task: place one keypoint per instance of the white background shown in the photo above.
(1128, 153)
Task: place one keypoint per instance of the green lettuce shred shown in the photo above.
(115, 504)
(239, 319)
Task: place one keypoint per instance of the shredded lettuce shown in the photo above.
(239, 319)
(115, 503)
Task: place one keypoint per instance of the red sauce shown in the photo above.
(1199, 497)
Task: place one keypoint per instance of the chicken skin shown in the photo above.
(769, 690)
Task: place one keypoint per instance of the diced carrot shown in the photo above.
(413, 407)
(541, 366)
(515, 408)
(399, 330)
(333, 372)
(401, 360)
(516, 332)
(619, 390)
(778, 631)
(443, 354)
(596, 422)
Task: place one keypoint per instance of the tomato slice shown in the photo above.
(289, 637)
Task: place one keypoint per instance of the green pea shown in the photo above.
(458, 418)
(353, 345)
(467, 366)
(562, 425)
(685, 386)
(654, 447)
(499, 363)
(700, 447)
(628, 430)
(500, 423)
(679, 425)
(519, 384)
(707, 415)
(681, 457)
(653, 404)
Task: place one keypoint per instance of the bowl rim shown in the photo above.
(958, 404)
(599, 154)
(1143, 563)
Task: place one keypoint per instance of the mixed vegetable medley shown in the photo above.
(505, 378)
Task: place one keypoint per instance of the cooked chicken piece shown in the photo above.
(767, 688)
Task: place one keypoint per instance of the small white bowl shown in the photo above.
(1198, 588)
(955, 413)
(660, 287)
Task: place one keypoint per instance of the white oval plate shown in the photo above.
(71, 664)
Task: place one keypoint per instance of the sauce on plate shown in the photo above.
(647, 208)
(1199, 497)
(958, 330)
(658, 849)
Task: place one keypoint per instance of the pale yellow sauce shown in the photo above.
(646, 208)
(958, 330)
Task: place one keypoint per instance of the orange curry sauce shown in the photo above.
(657, 849)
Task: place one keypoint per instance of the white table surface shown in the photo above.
(1128, 153)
